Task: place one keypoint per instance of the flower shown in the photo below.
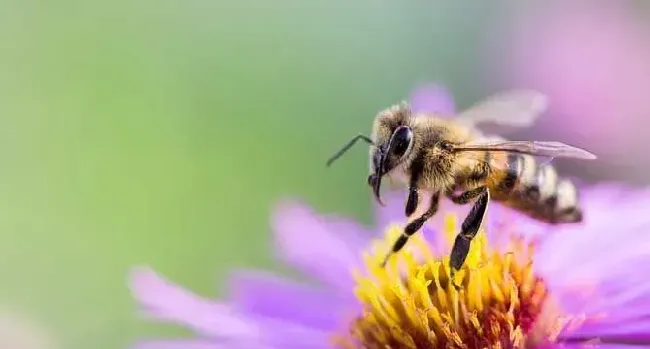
(524, 285)
(572, 284)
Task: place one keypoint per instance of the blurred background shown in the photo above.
(162, 132)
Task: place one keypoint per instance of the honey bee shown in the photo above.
(440, 155)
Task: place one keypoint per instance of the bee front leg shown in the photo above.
(470, 226)
(414, 226)
(412, 201)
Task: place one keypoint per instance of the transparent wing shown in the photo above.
(501, 163)
(537, 148)
(518, 108)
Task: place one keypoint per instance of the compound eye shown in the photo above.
(401, 140)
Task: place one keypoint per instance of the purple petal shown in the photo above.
(284, 334)
(621, 345)
(620, 231)
(196, 344)
(600, 259)
(166, 301)
(272, 297)
(325, 249)
(392, 212)
(432, 98)
(591, 346)
(625, 307)
(627, 300)
(639, 340)
(617, 333)
(178, 344)
(610, 215)
(169, 302)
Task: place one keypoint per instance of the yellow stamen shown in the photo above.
(411, 302)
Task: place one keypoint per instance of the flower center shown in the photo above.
(412, 303)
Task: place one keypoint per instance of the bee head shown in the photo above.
(388, 155)
(393, 143)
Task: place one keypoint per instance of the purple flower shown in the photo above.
(586, 279)
(524, 284)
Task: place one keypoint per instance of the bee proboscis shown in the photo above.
(439, 155)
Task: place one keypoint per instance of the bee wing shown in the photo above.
(519, 108)
(499, 163)
(537, 148)
(502, 163)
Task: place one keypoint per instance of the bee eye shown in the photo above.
(401, 140)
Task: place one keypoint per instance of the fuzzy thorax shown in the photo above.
(412, 303)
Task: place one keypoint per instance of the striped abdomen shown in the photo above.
(533, 188)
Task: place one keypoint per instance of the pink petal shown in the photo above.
(178, 344)
(285, 334)
(196, 344)
(272, 297)
(325, 249)
(392, 212)
(593, 269)
(639, 329)
(166, 301)
(591, 346)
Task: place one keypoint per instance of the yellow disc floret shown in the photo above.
(412, 302)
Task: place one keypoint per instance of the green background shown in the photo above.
(162, 132)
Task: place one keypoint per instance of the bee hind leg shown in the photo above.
(413, 227)
(469, 228)
(467, 196)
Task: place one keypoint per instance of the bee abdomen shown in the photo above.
(566, 206)
(537, 190)
(542, 184)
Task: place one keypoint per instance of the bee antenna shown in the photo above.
(348, 146)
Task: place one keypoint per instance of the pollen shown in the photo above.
(494, 301)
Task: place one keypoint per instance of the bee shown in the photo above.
(449, 156)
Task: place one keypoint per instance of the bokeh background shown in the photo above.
(162, 132)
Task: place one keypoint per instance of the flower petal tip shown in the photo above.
(155, 293)
(142, 279)
(288, 209)
(288, 205)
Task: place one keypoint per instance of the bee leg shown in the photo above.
(412, 201)
(469, 228)
(467, 196)
(413, 227)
